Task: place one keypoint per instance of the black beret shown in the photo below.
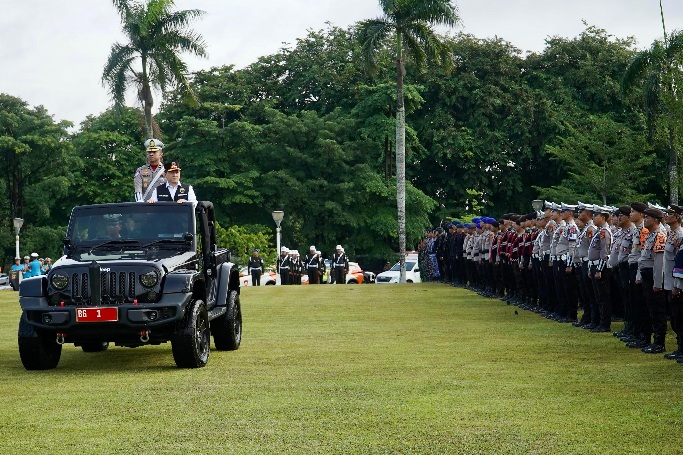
(654, 213)
(624, 210)
(639, 207)
(495, 224)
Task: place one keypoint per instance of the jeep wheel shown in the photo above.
(38, 351)
(95, 346)
(227, 329)
(191, 342)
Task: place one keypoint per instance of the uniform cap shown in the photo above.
(494, 223)
(34, 255)
(256, 250)
(338, 247)
(476, 220)
(26, 257)
(675, 210)
(582, 206)
(600, 209)
(566, 207)
(48, 259)
(468, 225)
(624, 210)
(17, 258)
(312, 247)
(655, 206)
(152, 145)
(638, 207)
(173, 167)
(548, 205)
(555, 207)
(284, 248)
(654, 213)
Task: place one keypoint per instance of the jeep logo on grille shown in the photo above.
(105, 270)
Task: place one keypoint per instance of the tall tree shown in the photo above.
(407, 26)
(659, 68)
(157, 35)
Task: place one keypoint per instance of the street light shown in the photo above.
(18, 223)
(537, 204)
(278, 216)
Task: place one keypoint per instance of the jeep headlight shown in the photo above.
(149, 279)
(59, 281)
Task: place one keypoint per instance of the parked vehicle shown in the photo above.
(355, 274)
(267, 279)
(394, 273)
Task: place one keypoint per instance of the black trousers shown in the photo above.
(571, 293)
(256, 278)
(313, 276)
(625, 286)
(591, 314)
(549, 277)
(602, 289)
(560, 274)
(656, 305)
(540, 281)
(453, 266)
(284, 276)
(642, 326)
(339, 275)
(676, 308)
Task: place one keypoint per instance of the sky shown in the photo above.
(52, 51)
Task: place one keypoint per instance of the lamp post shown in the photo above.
(18, 223)
(537, 204)
(278, 216)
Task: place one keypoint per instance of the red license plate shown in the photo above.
(106, 314)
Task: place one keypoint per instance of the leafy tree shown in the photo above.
(606, 161)
(36, 173)
(407, 25)
(658, 68)
(110, 149)
(157, 35)
(241, 240)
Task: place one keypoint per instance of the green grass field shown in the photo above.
(353, 369)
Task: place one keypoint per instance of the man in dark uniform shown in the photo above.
(312, 263)
(151, 175)
(340, 263)
(283, 264)
(255, 267)
(173, 190)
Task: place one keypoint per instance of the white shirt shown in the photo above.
(172, 189)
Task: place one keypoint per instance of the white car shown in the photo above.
(394, 274)
(267, 279)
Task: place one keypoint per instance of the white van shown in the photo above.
(394, 274)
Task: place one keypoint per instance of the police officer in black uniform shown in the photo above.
(313, 266)
(255, 267)
(283, 264)
(340, 264)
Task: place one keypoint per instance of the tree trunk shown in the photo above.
(673, 169)
(146, 99)
(401, 161)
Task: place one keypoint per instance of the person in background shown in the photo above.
(47, 266)
(33, 267)
(340, 263)
(18, 266)
(255, 267)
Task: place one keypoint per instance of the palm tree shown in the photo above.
(658, 67)
(406, 27)
(156, 36)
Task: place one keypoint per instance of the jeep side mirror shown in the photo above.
(189, 237)
(66, 241)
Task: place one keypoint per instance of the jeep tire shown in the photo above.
(38, 351)
(191, 342)
(227, 329)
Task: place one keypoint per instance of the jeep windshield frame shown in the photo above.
(130, 227)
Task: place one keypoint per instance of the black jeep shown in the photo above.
(134, 274)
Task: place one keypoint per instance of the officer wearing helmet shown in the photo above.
(151, 175)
